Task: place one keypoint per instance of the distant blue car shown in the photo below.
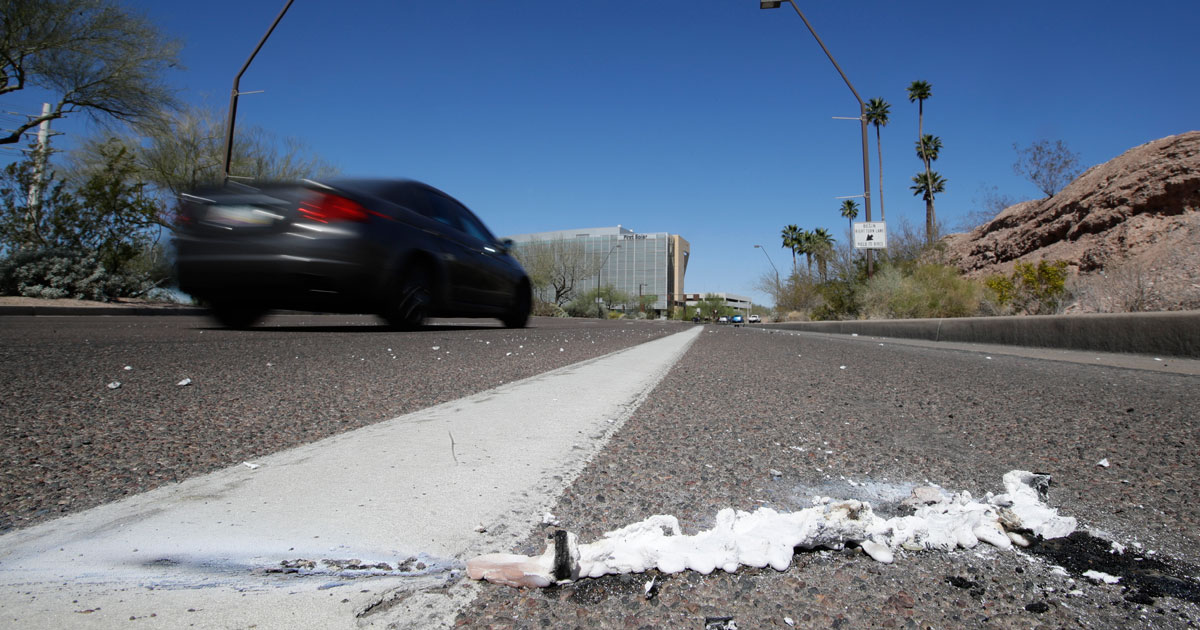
(737, 319)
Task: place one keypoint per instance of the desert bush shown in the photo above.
(1031, 289)
(839, 301)
(798, 292)
(61, 273)
(1131, 287)
(929, 291)
(543, 308)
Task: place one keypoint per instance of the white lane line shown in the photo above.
(195, 553)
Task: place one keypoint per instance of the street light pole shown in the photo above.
(599, 315)
(764, 251)
(233, 97)
(862, 110)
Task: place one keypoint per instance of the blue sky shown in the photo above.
(711, 119)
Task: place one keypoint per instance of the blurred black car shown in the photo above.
(398, 248)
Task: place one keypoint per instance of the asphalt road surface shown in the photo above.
(843, 417)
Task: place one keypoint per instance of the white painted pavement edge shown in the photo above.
(414, 487)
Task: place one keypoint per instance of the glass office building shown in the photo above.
(636, 263)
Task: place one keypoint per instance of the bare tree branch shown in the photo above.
(97, 57)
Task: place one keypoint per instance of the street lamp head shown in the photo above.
(769, 4)
(758, 245)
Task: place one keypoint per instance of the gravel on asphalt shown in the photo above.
(859, 419)
(69, 442)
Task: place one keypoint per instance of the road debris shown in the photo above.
(766, 537)
(1100, 576)
(651, 588)
(719, 623)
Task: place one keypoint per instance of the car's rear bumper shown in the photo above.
(331, 272)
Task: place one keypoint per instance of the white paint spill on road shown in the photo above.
(766, 537)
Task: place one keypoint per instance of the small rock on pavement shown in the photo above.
(878, 552)
(921, 496)
(719, 623)
(902, 600)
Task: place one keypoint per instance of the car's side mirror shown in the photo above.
(507, 244)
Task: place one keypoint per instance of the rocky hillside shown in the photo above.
(1129, 228)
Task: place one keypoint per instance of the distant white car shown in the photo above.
(723, 320)
(754, 319)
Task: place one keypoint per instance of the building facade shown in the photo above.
(636, 263)
(732, 300)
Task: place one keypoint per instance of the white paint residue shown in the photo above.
(1031, 513)
(766, 537)
(1100, 576)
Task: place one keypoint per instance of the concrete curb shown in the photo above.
(42, 311)
(1174, 333)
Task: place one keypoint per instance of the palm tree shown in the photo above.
(919, 91)
(822, 245)
(877, 114)
(850, 211)
(930, 146)
(805, 246)
(791, 240)
(921, 187)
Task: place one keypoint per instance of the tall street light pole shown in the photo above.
(764, 251)
(862, 110)
(233, 97)
(600, 315)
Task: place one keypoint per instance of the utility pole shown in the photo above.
(39, 168)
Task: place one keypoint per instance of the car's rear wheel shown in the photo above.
(239, 315)
(411, 299)
(518, 315)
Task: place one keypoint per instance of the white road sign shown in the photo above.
(870, 235)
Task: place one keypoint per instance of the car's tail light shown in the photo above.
(184, 215)
(327, 208)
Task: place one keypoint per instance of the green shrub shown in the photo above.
(929, 291)
(1002, 289)
(1041, 288)
(542, 308)
(1033, 289)
(59, 273)
(840, 301)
